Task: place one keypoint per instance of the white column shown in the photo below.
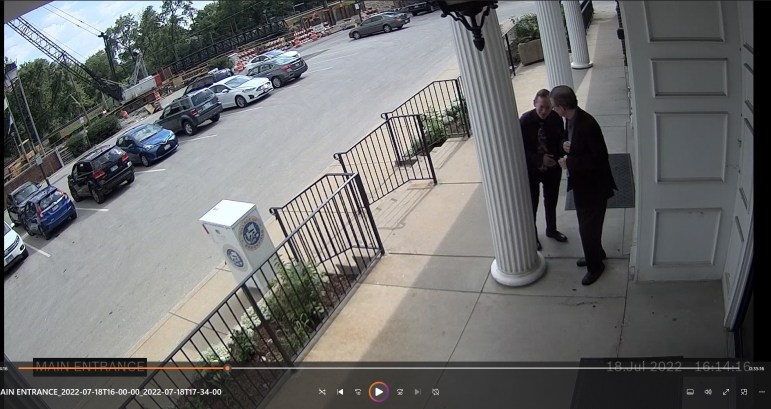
(495, 125)
(577, 33)
(555, 46)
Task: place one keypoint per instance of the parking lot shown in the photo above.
(106, 278)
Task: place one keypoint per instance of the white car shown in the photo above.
(241, 90)
(14, 247)
(267, 56)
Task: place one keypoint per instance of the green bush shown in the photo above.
(77, 145)
(220, 62)
(526, 28)
(103, 128)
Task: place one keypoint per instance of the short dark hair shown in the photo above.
(542, 93)
(563, 96)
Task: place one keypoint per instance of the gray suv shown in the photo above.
(188, 112)
(376, 24)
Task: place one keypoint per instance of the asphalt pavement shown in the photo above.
(105, 279)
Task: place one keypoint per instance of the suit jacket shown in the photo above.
(530, 122)
(589, 174)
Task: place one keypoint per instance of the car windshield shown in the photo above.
(24, 193)
(145, 132)
(50, 199)
(111, 155)
(6, 228)
(202, 97)
(237, 80)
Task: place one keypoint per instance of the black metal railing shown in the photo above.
(390, 156)
(267, 321)
(587, 12)
(443, 109)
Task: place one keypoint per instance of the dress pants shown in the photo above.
(551, 189)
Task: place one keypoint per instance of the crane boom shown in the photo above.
(56, 53)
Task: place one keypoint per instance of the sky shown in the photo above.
(80, 43)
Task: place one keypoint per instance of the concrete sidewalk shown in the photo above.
(431, 297)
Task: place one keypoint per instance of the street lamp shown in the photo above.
(466, 13)
(11, 76)
(88, 121)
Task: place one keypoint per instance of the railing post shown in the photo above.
(275, 211)
(425, 148)
(339, 157)
(365, 204)
(399, 159)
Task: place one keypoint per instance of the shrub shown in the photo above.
(103, 128)
(77, 145)
(526, 28)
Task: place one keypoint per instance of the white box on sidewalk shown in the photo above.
(240, 234)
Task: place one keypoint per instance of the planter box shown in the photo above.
(530, 52)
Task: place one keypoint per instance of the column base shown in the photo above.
(519, 279)
(581, 66)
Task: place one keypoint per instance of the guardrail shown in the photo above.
(390, 156)
(587, 12)
(266, 327)
(443, 109)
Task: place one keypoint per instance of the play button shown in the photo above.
(379, 392)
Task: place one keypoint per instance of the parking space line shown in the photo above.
(320, 69)
(332, 59)
(94, 210)
(38, 250)
(148, 171)
(194, 139)
(240, 110)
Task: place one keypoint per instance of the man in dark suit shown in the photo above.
(589, 177)
(542, 134)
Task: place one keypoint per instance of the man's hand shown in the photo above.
(566, 146)
(564, 162)
(548, 160)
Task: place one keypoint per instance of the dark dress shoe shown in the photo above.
(590, 278)
(557, 236)
(581, 262)
(538, 244)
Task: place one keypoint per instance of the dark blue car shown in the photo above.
(46, 210)
(147, 143)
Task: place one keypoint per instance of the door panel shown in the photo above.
(685, 79)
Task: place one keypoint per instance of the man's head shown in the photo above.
(542, 103)
(563, 100)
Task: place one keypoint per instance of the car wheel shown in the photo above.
(144, 160)
(387, 28)
(215, 118)
(356, 35)
(130, 179)
(74, 194)
(240, 101)
(25, 253)
(46, 235)
(99, 197)
(276, 81)
(29, 231)
(189, 127)
(74, 215)
(414, 14)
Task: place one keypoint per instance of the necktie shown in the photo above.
(542, 148)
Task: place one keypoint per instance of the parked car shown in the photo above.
(18, 198)
(280, 70)
(46, 210)
(99, 172)
(241, 90)
(267, 56)
(207, 80)
(418, 7)
(377, 23)
(147, 143)
(15, 249)
(188, 112)
(404, 16)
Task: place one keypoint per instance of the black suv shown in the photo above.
(207, 80)
(99, 172)
(18, 198)
(188, 112)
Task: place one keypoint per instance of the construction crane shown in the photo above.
(139, 68)
(56, 53)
